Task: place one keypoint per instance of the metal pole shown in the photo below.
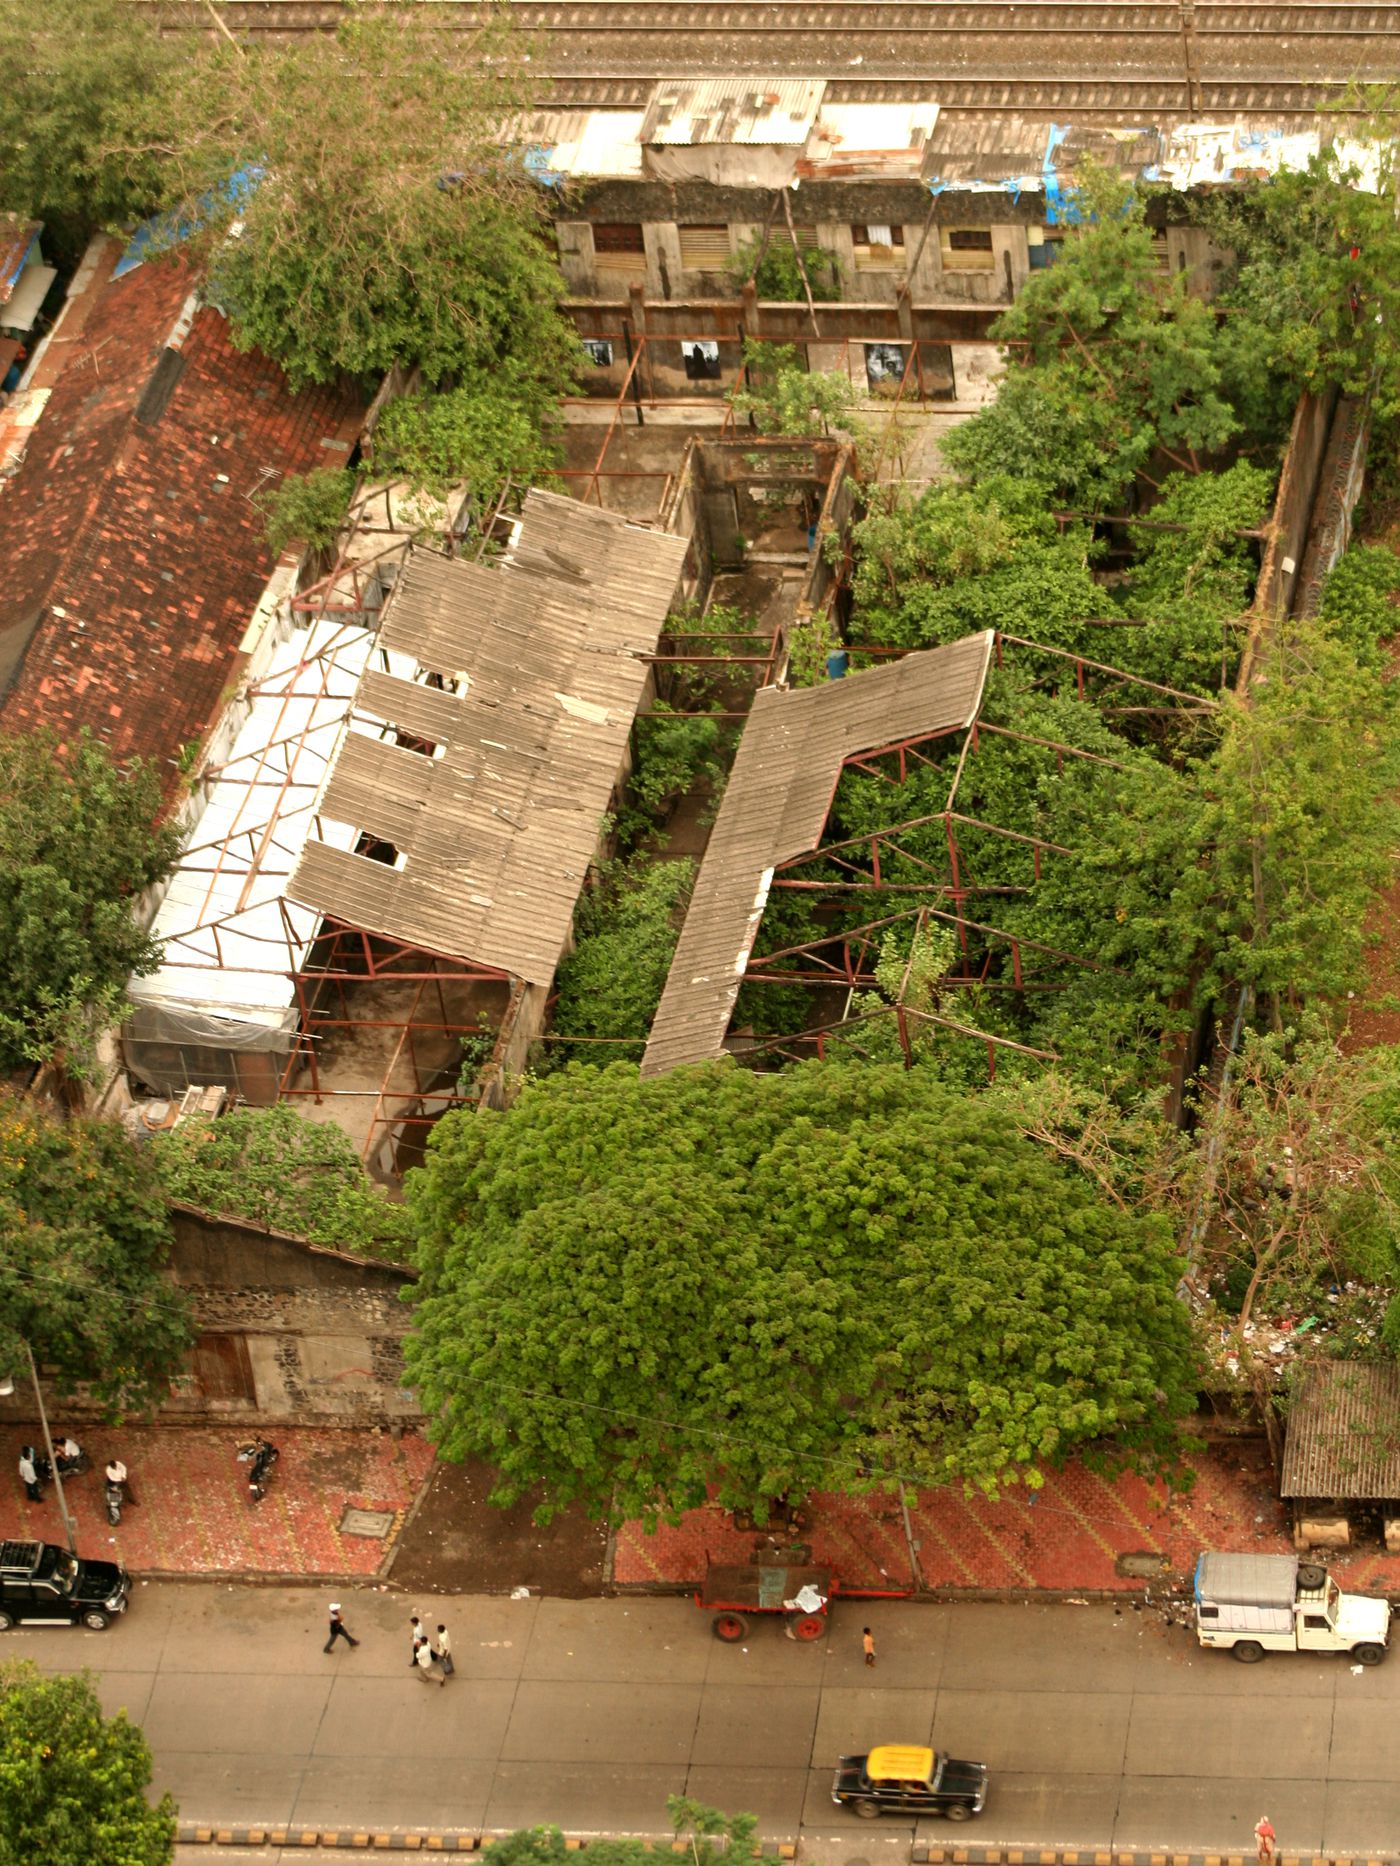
(48, 1447)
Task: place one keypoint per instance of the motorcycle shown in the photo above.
(115, 1495)
(259, 1456)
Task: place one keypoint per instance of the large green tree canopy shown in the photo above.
(73, 1782)
(631, 1291)
(84, 1240)
(77, 845)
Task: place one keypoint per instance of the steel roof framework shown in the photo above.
(845, 957)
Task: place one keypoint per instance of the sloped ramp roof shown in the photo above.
(494, 832)
(775, 806)
(1343, 1435)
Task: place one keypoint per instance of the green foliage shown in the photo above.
(778, 276)
(1193, 586)
(373, 235)
(674, 753)
(957, 561)
(632, 1290)
(1112, 366)
(1310, 314)
(610, 984)
(84, 1241)
(72, 1782)
(710, 1836)
(482, 432)
(301, 1177)
(78, 844)
(784, 397)
(307, 508)
(1359, 602)
(73, 70)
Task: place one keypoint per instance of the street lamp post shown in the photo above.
(7, 1387)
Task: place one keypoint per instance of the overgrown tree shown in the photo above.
(74, 71)
(78, 845)
(73, 1783)
(1111, 367)
(382, 220)
(84, 1241)
(632, 1290)
(610, 984)
(273, 1168)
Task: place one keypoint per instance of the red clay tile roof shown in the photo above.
(133, 555)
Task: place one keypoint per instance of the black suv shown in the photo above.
(900, 1778)
(43, 1585)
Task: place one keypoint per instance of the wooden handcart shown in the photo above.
(732, 1594)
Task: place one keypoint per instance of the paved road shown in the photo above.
(1101, 1726)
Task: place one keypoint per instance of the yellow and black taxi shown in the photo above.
(900, 1778)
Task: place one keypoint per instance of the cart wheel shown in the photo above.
(730, 1627)
(807, 1626)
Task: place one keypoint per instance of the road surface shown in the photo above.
(1102, 1726)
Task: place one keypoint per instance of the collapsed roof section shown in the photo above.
(776, 802)
(474, 787)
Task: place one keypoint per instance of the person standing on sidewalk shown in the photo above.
(867, 1640)
(1264, 1834)
(420, 1637)
(29, 1473)
(423, 1659)
(442, 1651)
(339, 1630)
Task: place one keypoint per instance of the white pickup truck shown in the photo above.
(1253, 1604)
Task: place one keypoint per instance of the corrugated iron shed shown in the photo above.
(690, 111)
(1344, 1433)
(494, 832)
(775, 806)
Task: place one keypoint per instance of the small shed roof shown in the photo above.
(494, 832)
(17, 236)
(691, 111)
(1343, 1436)
(775, 806)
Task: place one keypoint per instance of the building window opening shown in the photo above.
(375, 849)
(877, 247)
(705, 249)
(967, 249)
(701, 356)
(600, 351)
(884, 367)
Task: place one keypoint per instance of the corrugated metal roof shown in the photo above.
(1344, 1433)
(495, 832)
(732, 110)
(775, 807)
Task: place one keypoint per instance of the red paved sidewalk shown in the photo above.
(192, 1513)
(1066, 1537)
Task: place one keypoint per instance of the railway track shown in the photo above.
(1089, 58)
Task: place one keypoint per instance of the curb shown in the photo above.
(924, 1855)
(365, 1840)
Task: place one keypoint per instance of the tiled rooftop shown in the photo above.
(134, 554)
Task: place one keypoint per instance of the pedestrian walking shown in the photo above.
(442, 1651)
(423, 1659)
(339, 1630)
(867, 1640)
(420, 1637)
(1264, 1834)
(29, 1473)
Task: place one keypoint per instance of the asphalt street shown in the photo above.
(1101, 1727)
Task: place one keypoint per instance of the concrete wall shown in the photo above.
(310, 1336)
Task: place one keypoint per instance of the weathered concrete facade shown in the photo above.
(288, 1332)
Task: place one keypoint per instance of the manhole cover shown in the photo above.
(1144, 1567)
(375, 1524)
